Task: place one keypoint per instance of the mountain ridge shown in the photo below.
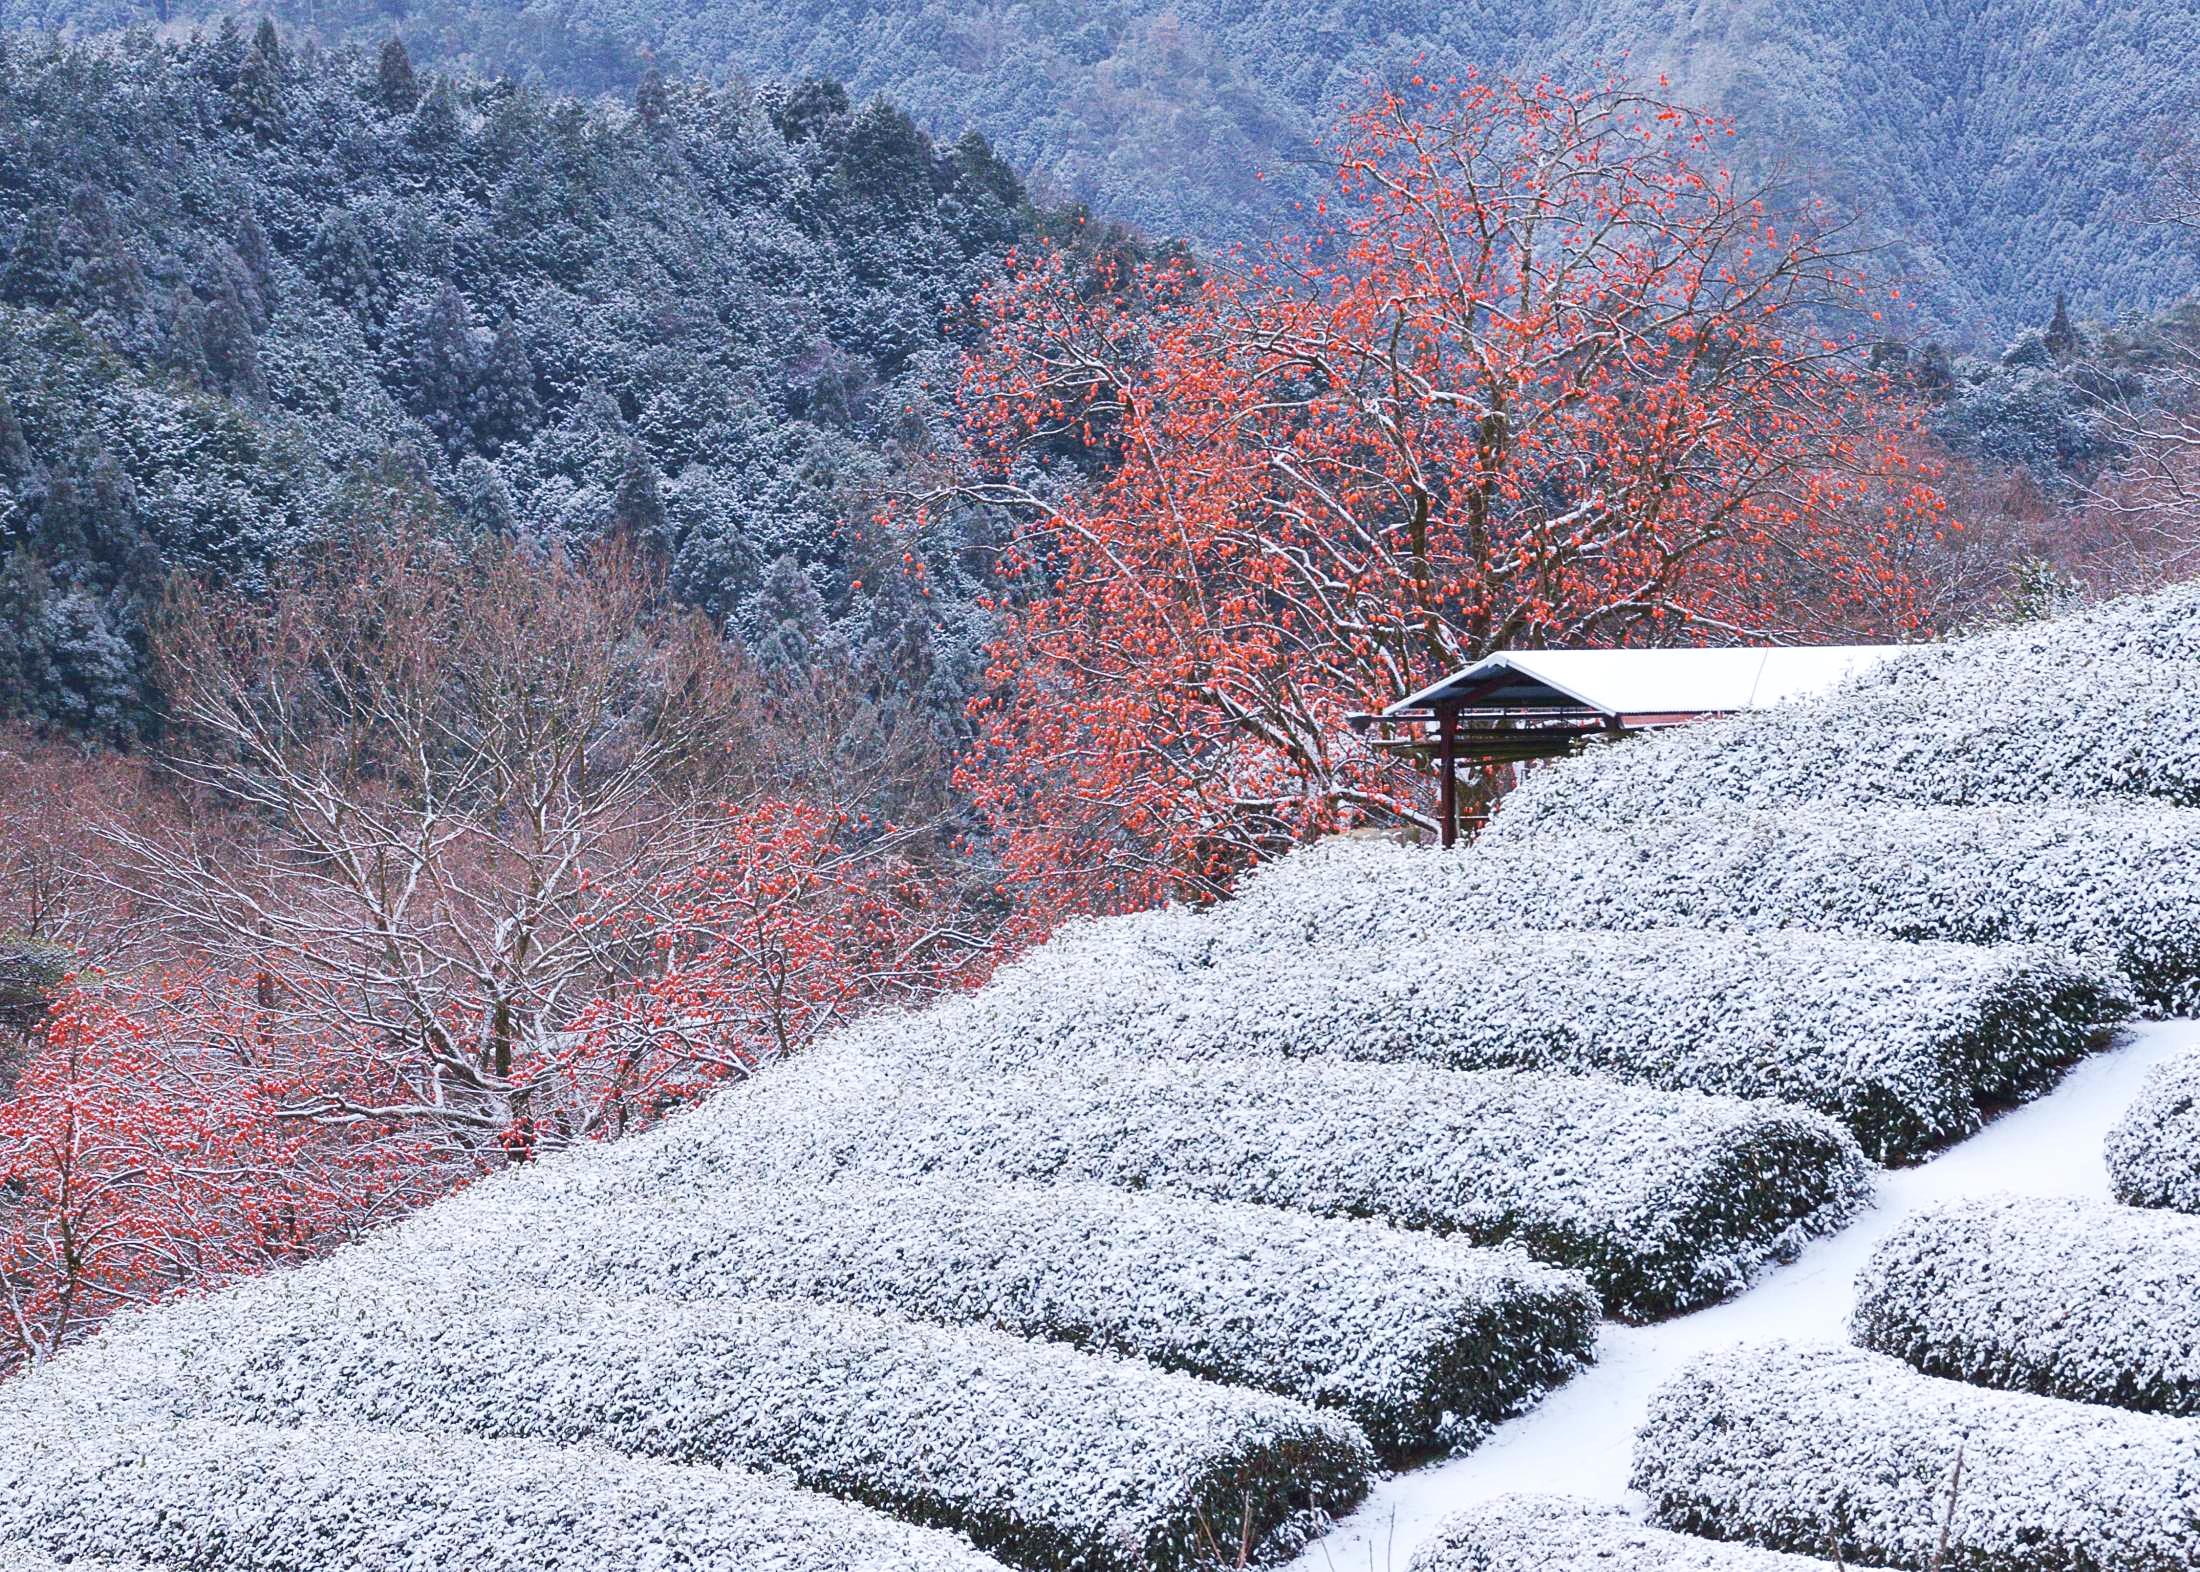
(2000, 151)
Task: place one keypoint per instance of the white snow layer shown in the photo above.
(2119, 884)
(1665, 1200)
(1819, 1447)
(2093, 705)
(1543, 1533)
(946, 1166)
(1580, 1439)
(1423, 1341)
(1035, 1451)
(2154, 1151)
(2072, 1298)
(207, 1496)
(1904, 1043)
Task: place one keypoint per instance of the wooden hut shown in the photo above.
(1538, 704)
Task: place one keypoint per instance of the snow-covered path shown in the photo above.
(1579, 1440)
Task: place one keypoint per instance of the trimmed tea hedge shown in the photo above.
(1901, 1042)
(203, 1497)
(20, 1557)
(1664, 1200)
(2076, 1299)
(2119, 885)
(1424, 1342)
(1050, 1457)
(2100, 704)
(1527, 1533)
(2154, 1150)
(1809, 1448)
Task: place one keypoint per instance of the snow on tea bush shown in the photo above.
(1901, 1042)
(1045, 1455)
(1528, 1533)
(1665, 1200)
(2154, 1150)
(202, 1496)
(1811, 1449)
(2102, 704)
(2072, 1298)
(1422, 1341)
(2118, 884)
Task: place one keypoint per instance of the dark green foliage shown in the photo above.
(788, 619)
(237, 273)
(2052, 403)
(638, 511)
(2001, 148)
(395, 87)
(30, 974)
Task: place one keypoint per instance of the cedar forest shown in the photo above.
(519, 610)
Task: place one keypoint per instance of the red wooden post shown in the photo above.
(1447, 780)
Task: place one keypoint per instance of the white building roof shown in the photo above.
(1648, 682)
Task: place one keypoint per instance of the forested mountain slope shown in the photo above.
(248, 291)
(2003, 146)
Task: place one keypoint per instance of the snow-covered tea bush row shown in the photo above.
(2076, 1299)
(1901, 1042)
(1665, 1200)
(2154, 1150)
(1527, 1533)
(2103, 703)
(1423, 1341)
(214, 1497)
(2119, 885)
(1811, 1449)
(1902, 733)
(1045, 1455)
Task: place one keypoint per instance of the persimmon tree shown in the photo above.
(58, 914)
(143, 1153)
(791, 921)
(1547, 378)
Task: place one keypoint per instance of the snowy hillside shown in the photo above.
(1161, 1250)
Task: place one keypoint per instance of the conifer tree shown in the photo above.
(183, 350)
(2062, 335)
(638, 511)
(651, 102)
(258, 95)
(506, 409)
(483, 501)
(222, 59)
(253, 251)
(231, 348)
(345, 263)
(396, 89)
(434, 130)
(789, 618)
(35, 270)
(16, 465)
(435, 364)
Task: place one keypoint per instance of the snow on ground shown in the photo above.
(1580, 1440)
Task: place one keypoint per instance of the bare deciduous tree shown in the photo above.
(454, 764)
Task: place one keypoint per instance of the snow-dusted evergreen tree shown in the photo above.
(505, 406)
(787, 618)
(434, 356)
(396, 89)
